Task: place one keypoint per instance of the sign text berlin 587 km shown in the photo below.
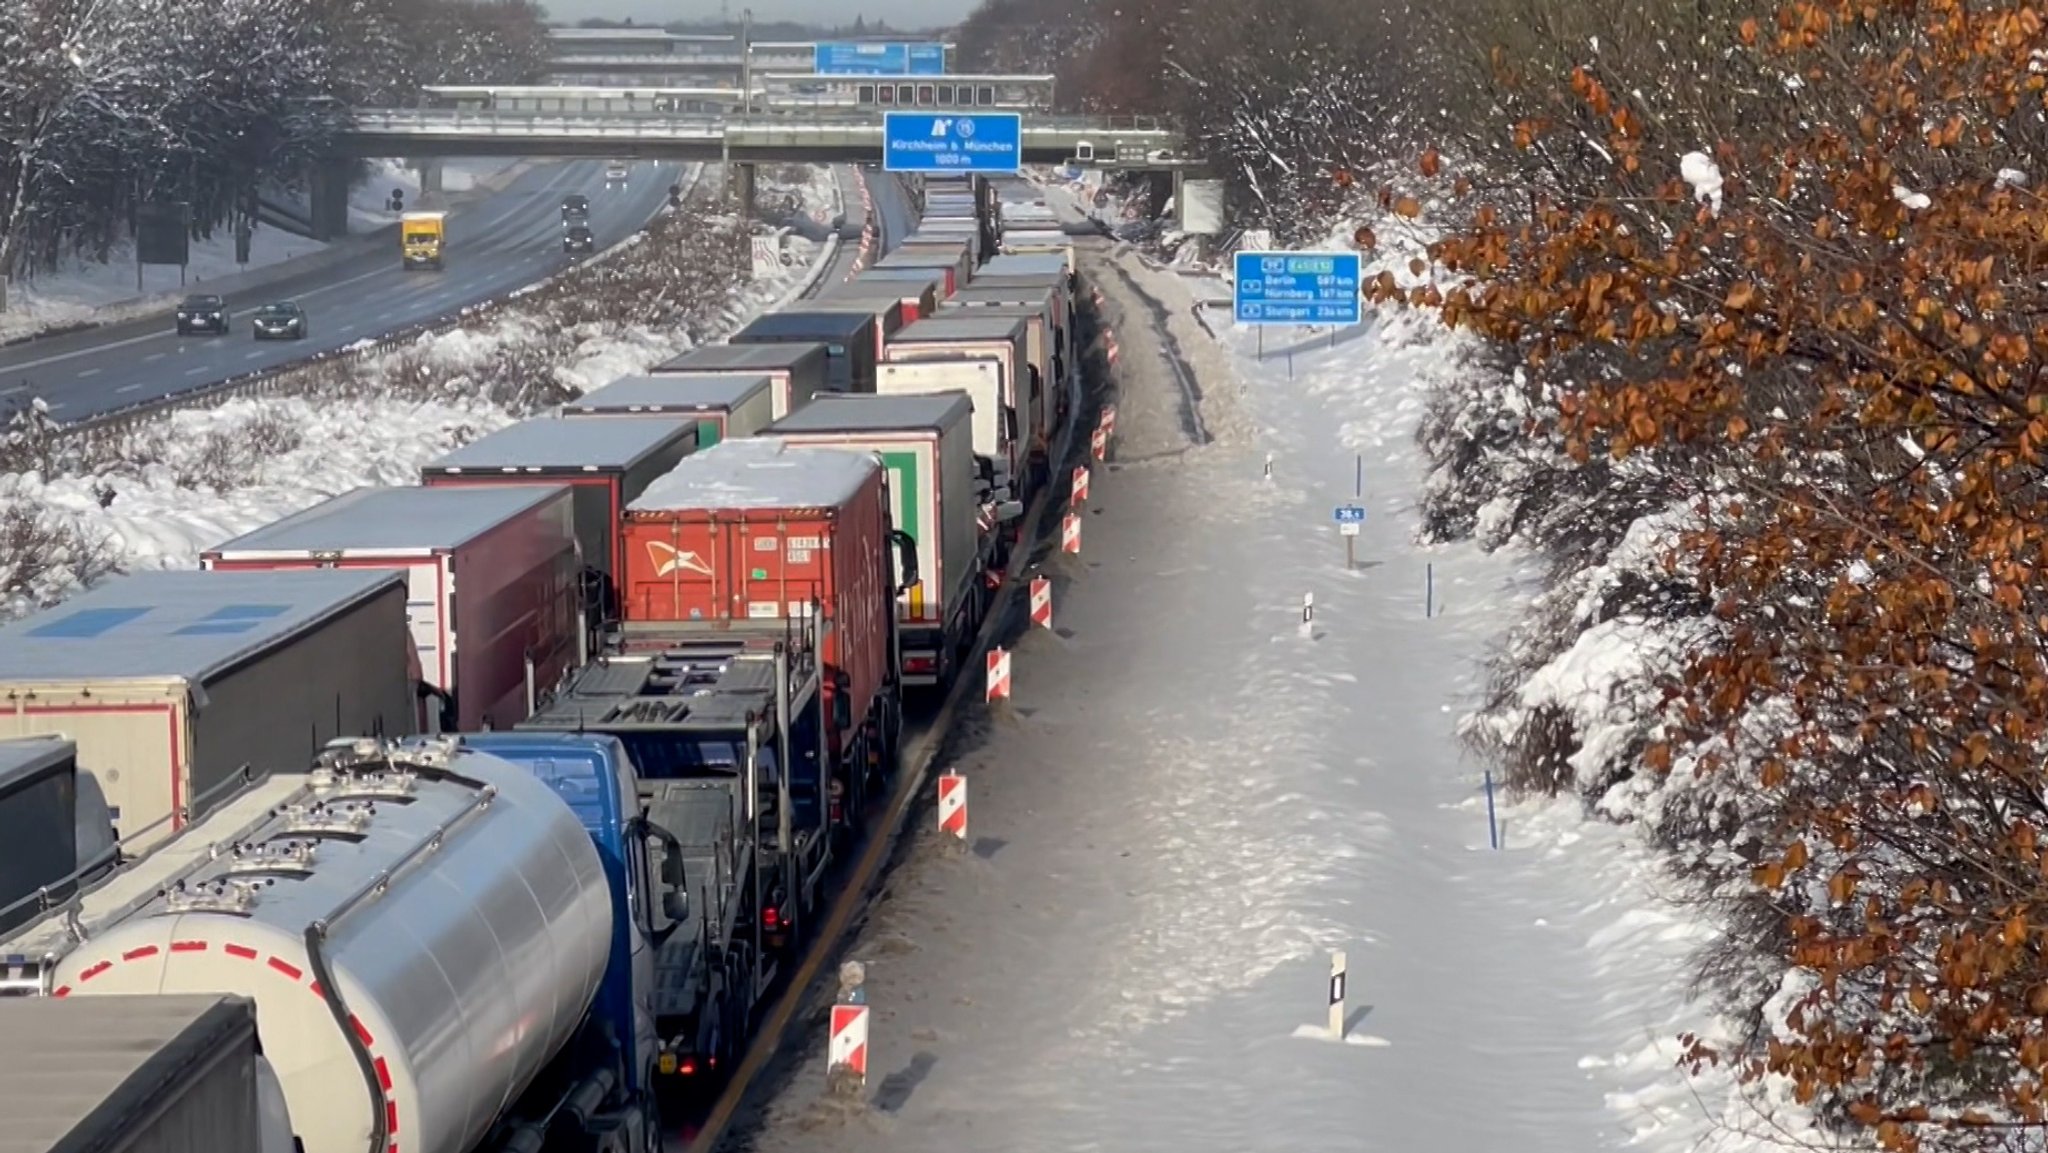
(1297, 288)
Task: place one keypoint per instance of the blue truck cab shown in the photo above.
(593, 774)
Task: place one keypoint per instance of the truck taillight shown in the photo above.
(687, 1066)
(771, 917)
(920, 664)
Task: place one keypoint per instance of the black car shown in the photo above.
(281, 321)
(202, 314)
(575, 206)
(577, 238)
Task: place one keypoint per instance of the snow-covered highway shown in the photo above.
(496, 244)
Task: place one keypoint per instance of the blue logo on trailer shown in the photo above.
(1348, 514)
(1298, 288)
(864, 58)
(985, 142)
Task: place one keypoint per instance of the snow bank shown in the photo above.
(1575, 677)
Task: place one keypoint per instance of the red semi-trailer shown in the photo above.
(751, 534)
(506, 553)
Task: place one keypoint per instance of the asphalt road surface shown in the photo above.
(495, 245)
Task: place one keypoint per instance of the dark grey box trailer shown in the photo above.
(38, 823)
(607, 463)
(181, 1073)
(848, 337)
(887, 312)
(799, 368)
(919, 294)
(925, 283)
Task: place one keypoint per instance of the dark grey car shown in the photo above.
(577, 238)
(202, 314)
(283, 320)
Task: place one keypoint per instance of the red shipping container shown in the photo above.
(759, 530)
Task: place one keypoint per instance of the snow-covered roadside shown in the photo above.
(1191, 799)
(197, 478)
(85, 292)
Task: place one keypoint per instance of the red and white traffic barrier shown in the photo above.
(1098, 444)
(1041, 602)
(847, 1052)
(1079, 495)
(953, 804)
(998, 675)
(1108, 422)
(1114, 352)
(1070, 534)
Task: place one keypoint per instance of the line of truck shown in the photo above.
(591, 712)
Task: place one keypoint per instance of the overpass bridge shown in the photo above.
(427, 134)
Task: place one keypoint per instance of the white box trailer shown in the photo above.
(993, 424)
(181, 1073)
(1050, 406)
(172, 682)
(1044, 298)
(1005, 339)
(724, 405)
(505, 554)
(927, 445)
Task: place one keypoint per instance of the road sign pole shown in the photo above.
(1350, 553)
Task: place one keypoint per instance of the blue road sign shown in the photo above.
(1297, 288)
(1348, 514)
(866, 58)
(988, 142)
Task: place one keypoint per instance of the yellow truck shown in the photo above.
(422, 236)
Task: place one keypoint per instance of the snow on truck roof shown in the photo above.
(103, 1055)
(546, 442)
(192, 625)
(396, 518)
(867, 413)
(676, 390)
(776, 357)
(760, 473)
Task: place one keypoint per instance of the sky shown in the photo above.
(903, 13)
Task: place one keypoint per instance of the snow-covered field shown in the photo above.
(1193, 799)
(198, 478)
(84, 292)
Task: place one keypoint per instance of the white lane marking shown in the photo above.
(89, 371)
(128, 388)
(194, 371)
(153, 356)
(257, 355)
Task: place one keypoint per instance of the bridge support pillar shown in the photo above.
(741, 180)
(430, 177)
(327, 187)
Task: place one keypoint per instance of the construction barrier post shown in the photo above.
(998, 675)
(1079, 496)
(1337, 995)
(1098, 444)
(1108, 421)
(1041, 602)
(846, 1070)
(1070, 534)
(1308, 608)
(953, 805)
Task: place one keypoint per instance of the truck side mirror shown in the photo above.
(842, 701)
(675, 892)
(1010, 423)
(1008, 511)
(906, 559)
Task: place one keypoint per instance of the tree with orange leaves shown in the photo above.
(1819, 330)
